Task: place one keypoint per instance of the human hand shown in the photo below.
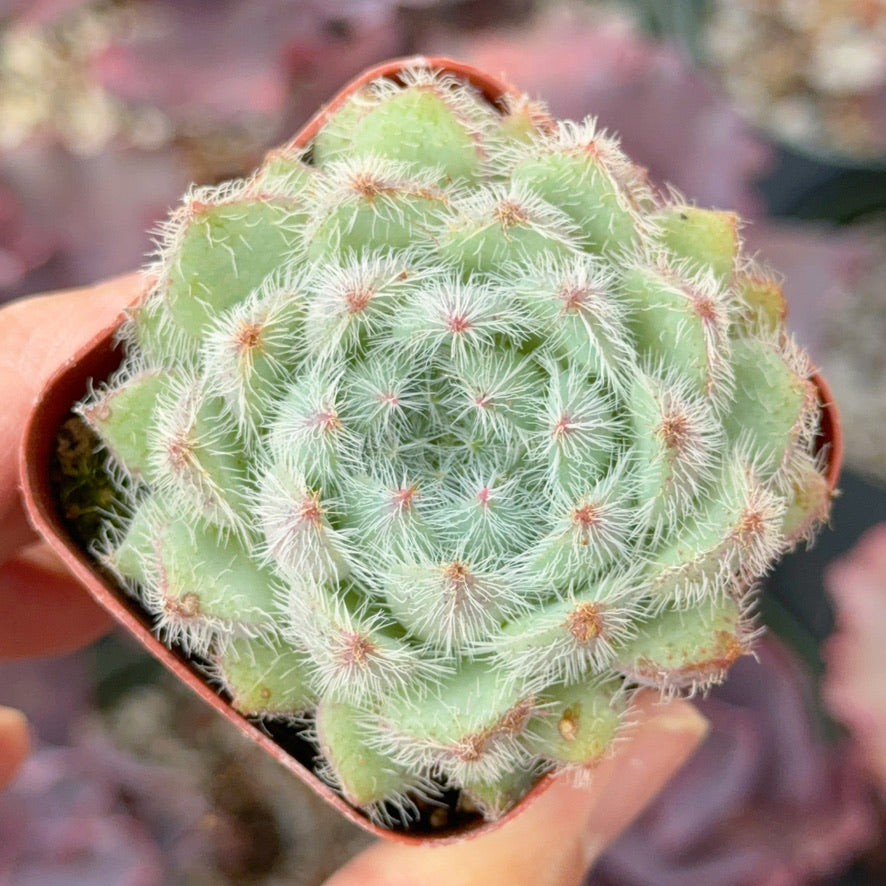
(43, 610)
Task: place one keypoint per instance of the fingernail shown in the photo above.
(677, 716)
(15, 743)
(12, 719)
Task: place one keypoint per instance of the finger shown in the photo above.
(665, 737)
(45, 610)
(555, 839)
(36, 336)
(15, 743)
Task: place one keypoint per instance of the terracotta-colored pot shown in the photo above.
(98, 359)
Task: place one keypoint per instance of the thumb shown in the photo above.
(36, 335)
(555, 840)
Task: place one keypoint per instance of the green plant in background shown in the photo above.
(445, 432)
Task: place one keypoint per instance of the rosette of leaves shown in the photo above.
(442, 433)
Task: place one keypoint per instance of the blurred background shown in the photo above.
(775, 108)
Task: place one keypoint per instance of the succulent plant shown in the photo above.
(441, 433)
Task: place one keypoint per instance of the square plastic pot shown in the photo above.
(98, 360)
